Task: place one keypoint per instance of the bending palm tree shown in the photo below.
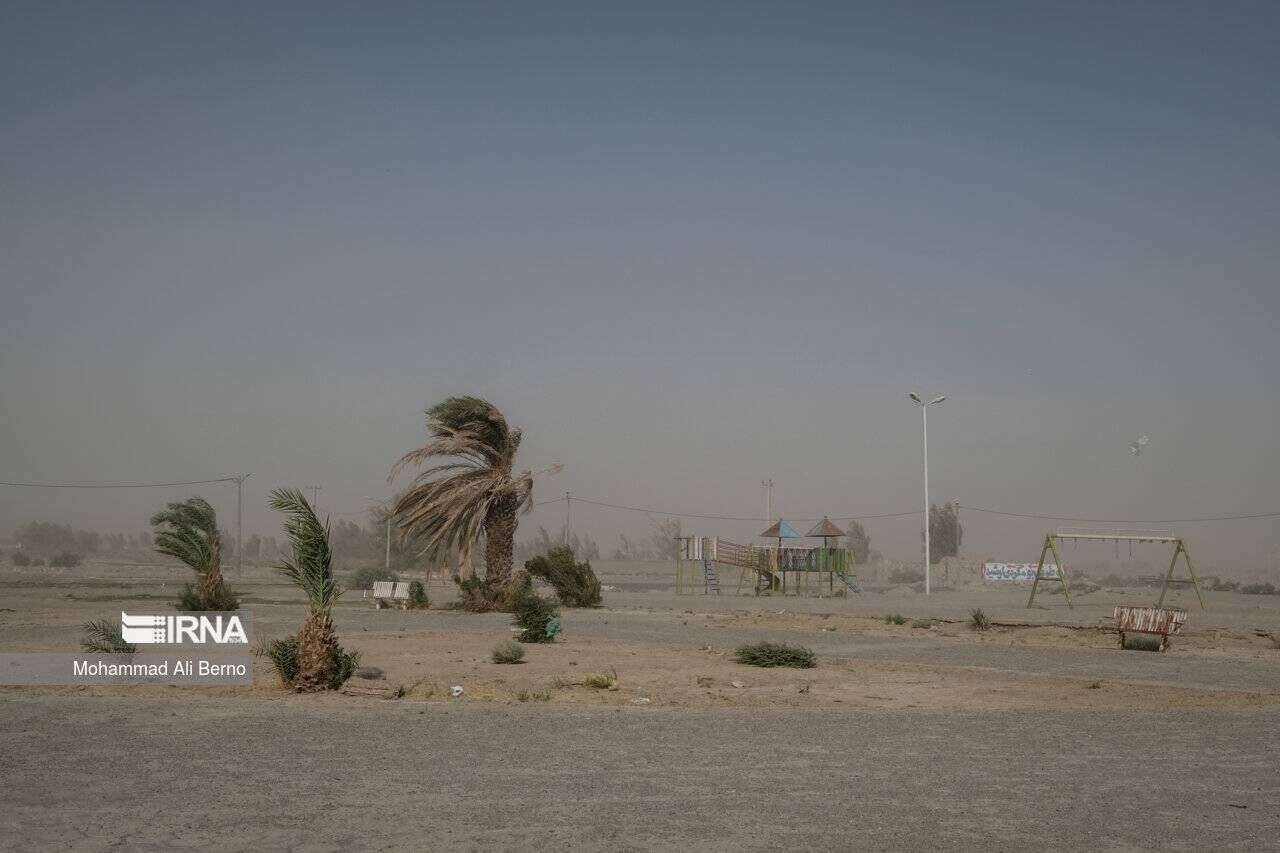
(315, 660)
(451, 504)
(191, 535)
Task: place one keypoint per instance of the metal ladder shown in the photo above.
(710, 578)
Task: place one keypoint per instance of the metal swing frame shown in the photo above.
(1051, 541)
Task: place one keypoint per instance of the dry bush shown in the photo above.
(775, 654)
(507, 651)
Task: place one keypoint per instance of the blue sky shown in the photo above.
(686, 248)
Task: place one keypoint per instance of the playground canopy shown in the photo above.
(780, 530)
(826, 529)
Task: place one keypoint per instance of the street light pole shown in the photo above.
(924, 413)
(240, 523)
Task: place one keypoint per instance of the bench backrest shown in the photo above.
(1154, 620)
(383, 589)
(401, 591)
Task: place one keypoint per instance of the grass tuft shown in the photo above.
(507, 651)
(978, 620)
(895, 619)
(602, 681)
(775, 654)
(533, 696)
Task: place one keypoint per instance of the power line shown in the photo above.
(116, 485)
(651, 511)
(1122, 520)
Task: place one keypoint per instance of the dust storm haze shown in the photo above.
(684, 250)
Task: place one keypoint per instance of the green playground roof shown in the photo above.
(780, 530)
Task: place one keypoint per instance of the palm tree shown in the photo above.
(318, 662)
(473, 491)
(190, 534)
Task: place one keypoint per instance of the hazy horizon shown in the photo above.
(684, 249)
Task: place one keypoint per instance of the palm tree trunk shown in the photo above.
(210, 586)
(316, 645)
(499, 552)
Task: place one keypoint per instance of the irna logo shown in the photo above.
(220, 628)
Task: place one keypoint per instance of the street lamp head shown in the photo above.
(939, 400)
(916, 397)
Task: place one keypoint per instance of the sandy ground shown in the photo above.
(1039, 734)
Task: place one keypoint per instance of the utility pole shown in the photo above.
(315, 496)
(768, 501)
(568, 517)
(240, 523)
(387, 564)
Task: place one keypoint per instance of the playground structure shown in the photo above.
(1077, 534)
(771, 570)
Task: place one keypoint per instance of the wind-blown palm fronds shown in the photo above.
(189, 533)
(105, 637)
(312, 660)
(449, 505)
(312, 565)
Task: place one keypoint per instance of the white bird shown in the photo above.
(1135, 447)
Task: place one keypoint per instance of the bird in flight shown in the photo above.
(1135, 447)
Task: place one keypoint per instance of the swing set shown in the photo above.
(1078, 534)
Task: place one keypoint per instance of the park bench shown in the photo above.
(1162, 622)
(384, 591)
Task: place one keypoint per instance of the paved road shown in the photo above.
(89, 773)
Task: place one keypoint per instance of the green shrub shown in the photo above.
(575, 583)
(775, 654)
(364, 578)
(1259, 589)
(284, 657)
(65, 560)
(418, 596)
(221, 598)
(537, 618)
(895, 619)
(20, 559)
(507, 651)
(978, 620)
(1220, 585)
(923, 623)
(105, 637)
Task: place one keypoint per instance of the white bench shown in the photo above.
(388, 590)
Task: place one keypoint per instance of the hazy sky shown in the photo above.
(686, 247)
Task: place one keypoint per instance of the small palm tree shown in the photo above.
(316, 661)
(473, 491)
(189, 532)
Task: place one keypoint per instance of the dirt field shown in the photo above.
(1039, 734)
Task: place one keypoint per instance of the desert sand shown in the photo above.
(1040, 733)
